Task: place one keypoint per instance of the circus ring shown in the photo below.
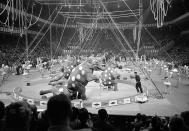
(97, 97)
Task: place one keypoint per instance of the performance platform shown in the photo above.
(125, 101)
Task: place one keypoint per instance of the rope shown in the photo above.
(5, 7)
(61, 37)
(36, 36)
(148, 31)
(30, 24)
(131, 50)
(44, 33)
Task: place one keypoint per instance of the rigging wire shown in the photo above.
(62, 34)
(131, 48)
(31, 43)
(150, 33)
(30, 23)
(94, 13)
(44, 33)
(5, 7)
(104, 17)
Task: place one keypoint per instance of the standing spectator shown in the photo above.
(18, 117)
(102, 123)
(138, 83)
(59, 112)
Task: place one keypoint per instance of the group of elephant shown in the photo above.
(76, 76)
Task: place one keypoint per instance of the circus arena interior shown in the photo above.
(118, 65)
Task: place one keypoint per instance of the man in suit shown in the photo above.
(138, 83)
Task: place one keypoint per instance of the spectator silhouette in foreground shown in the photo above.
(59, 112)
(34, 119)
(2, 114)
(102, 123)
(42, 123)
(75, 118)
(177, 124)
(137, 124)
(155, 124)
(18, 117)
(85, 120)
(185, 117)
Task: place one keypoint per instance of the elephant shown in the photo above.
(109, 76)
(78, 79)
(67, 67)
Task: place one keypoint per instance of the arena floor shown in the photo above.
(175, 102)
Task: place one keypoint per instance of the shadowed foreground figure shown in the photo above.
(177, 124)
(18, 117)
(102, 123)
(59, 113)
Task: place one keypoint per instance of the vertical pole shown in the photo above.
(26, 37)
(51, 39)
(139, 27)
(50, 30)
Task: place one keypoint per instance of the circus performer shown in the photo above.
(138, 83)
(19, 69)
(4, 73)
(167, 84)
(40, 67)
(27, 66)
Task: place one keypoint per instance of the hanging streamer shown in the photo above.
(16, 12)
(134, 33)
(159, 9)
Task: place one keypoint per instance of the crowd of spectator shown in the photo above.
(15, 50)
(61, 116)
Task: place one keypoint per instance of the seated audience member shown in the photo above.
(75, 118)
(85, 121)
(59, 112)
(145, 122)
(42, 122)
(185, 117)
(138, 122)
(177, 124)
(155, 124)
(18, 117)
(2, 110)
(34, 118)
(102, 123)
(2, 114)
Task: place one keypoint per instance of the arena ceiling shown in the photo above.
(87, 10)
